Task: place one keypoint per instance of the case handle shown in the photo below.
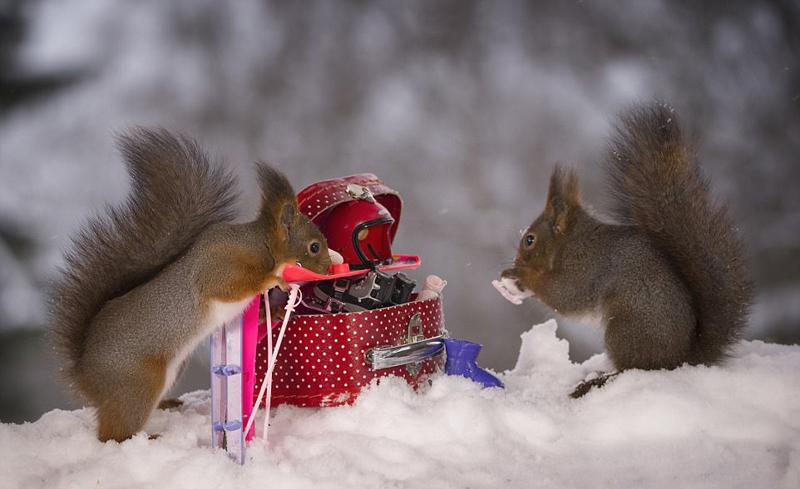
(382, 357)
(416, 350)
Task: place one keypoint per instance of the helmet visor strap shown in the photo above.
(366, 262)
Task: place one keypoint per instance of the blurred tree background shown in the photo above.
(463, 106)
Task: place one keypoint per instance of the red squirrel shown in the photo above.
(668, 279)
(146, 282)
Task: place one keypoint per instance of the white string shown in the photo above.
(295, 298)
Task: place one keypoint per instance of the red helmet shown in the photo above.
(358, 216)
(359, 230)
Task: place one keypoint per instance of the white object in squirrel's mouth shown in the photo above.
(508, 289)
(336, 257)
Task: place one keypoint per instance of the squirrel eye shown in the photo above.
(314, 247)
(529, 240)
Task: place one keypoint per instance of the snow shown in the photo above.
(732, 426)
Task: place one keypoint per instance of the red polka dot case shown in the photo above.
(323, 360)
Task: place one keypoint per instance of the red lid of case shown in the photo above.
(321, 197)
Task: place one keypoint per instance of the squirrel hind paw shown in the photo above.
(507, 287)
(166, 404)
(584, 387)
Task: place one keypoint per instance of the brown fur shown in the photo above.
(144, 284)
(123, 414)
(660, 189)
(175, 194)
(669, 281)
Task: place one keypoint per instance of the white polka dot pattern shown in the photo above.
(321, 361)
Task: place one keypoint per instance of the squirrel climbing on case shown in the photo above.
(146, 282)
(668, 280)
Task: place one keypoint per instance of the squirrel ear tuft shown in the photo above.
(288, 214)
(276, 192)
(563, 196)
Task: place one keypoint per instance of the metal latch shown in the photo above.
(416, 350)
(359, 192)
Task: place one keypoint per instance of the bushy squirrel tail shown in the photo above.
(657, 186)
(176, 192)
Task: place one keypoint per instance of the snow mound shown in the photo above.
(731, 426)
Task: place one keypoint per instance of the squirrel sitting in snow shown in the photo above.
(144, 284)
(669, 281)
